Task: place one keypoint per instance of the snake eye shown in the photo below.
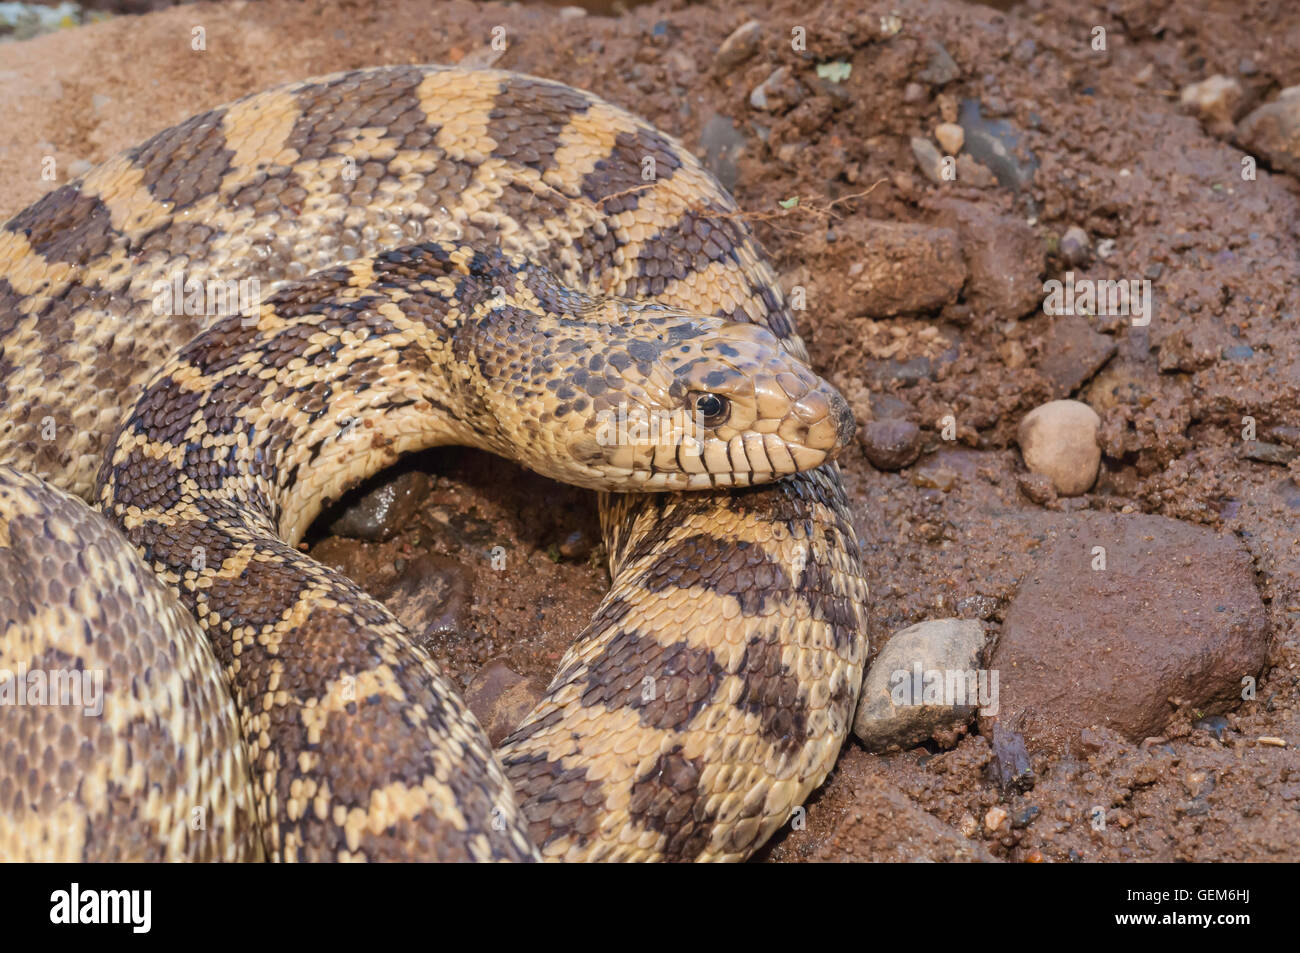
(714, 410)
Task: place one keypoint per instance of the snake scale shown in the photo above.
(452, 256)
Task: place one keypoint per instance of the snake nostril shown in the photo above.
(845, 424)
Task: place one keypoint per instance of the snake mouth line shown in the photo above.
(744, 460)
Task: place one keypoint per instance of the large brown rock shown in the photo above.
(1173, 618)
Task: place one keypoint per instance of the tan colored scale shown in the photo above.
(426, 241)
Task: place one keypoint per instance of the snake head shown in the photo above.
(657, 399)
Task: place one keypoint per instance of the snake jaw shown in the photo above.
(755, 446)
(784, 420)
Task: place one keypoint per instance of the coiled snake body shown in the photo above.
(452, 256)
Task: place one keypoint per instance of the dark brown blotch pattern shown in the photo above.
(67, 226)
(682, 679)
(773, 693)
(527, 118)
(259, 596)
(667, 799)
(559, 803)
(692, 243)
(165, 411)
(726, 567)
(334, 110)
(186, 163)
(618, 181)
(147, 482)
(818, 588)
(175, 547)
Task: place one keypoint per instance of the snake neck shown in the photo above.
(277, 412)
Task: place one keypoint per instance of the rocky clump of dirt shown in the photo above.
(884, 825)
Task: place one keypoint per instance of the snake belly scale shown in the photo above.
(452, 255)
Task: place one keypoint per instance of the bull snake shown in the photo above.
(463, 256)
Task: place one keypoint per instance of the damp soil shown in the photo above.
(1104, 145)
